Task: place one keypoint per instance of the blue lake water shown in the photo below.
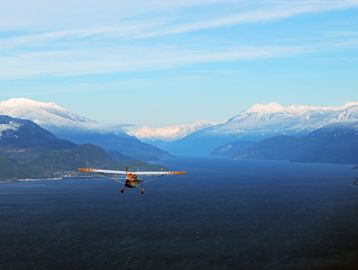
(221, 215)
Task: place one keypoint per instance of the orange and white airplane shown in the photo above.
(130, 179)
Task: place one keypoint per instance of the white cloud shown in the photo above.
(155, 20)
(276, 10)
(119, 36)
(44, 14)
(124, 59)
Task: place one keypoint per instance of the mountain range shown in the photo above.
(264, 121)
(29, 151)
(81, 130)
(335, 143)
(271, 131)
(170, 133)
(167, 138)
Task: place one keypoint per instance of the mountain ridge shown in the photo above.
(168, 133)
(79, 129)
(29, 151)
(263, 121)
(335, 143)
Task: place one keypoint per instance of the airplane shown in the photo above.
(131, 179)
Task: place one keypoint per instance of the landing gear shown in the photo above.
(122, 190)
(141, 190)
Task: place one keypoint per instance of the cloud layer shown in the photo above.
(71, 38)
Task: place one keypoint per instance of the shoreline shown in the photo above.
(30, 180)
(45, 179)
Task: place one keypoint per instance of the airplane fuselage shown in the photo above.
(132, 183)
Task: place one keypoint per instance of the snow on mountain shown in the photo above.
(265, 120)
(170, 133)
(13, 126)
(79, 129)
(22, 134)
(275, 118)
(49, 115)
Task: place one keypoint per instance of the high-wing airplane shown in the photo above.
(130, 179)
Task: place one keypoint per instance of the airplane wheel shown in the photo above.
(122, 190)
(142, 190)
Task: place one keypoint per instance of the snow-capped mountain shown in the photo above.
(266, 120)
(335, 143)
(170, 133)
(50, 115)
(19, 135)
(79, 129)
(274, 118)
(29, 151)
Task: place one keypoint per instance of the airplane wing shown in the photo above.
(92, 170)
(158, 173)
(113, 172)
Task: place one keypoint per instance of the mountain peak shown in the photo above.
(268, 108)
(169, 133)
(273, 118)
(275, 107)
(46, 114)
(16, 102)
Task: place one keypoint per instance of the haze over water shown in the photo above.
(222, 215)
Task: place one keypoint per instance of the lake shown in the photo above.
(222, 215)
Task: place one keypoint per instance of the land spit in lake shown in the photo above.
(222, 215)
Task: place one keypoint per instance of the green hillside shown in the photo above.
(29, 151)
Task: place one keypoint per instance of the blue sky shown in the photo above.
(156, 63)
